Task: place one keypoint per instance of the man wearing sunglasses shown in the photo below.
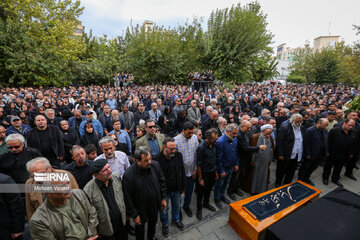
(13, 162)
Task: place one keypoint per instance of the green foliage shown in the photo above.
(354, 105)
(295, 78)
(329, 65)
(236, 39)
(37, 46)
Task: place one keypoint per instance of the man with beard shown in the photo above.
(140, 114)
(211, 122)
(144, 190)
(244, 152)
(51, 119)
(13, 162)
(290, 149)
(172, 165)
(187, 144)
(227, 162)
(206, 170)
(106, 195)
(47, 140)
(118, 160)
(80, 167)
(315, 149)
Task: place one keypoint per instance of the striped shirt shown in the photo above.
(187, 147)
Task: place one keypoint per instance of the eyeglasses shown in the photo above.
(16, 147)
(151, 126)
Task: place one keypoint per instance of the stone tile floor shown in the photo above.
(214, 225)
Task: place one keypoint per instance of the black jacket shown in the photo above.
(138, 115)
(244, 149)
(179, 170)
(12, 210)
(135, 190)
(14, 165)
(285, 140)
(312, 143)
(57, 143)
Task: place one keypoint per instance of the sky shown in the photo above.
(291, 22)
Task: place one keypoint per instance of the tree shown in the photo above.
(37, 42)
(236, 39)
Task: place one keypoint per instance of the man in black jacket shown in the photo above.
(341, 142)
(144, 190)
(290, 149)
(12, 212)
(211, 122)
(206, 170)
(140, 114)
(13, 162)
(315, 149)
(172, 165)
(47, 140)
(244, 151)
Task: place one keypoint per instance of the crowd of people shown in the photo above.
(131, 151)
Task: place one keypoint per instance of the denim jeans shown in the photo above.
(175, 198)
(221, 184)
(188, 191)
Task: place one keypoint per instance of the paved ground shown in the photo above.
(214, 226)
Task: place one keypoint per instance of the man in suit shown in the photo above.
(154, 113)
(315, 149)
(128, 118)
(194, 114)
(290, 149)
(51, 118)
(152, 141)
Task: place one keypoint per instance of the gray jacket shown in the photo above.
(97, 199)
(194, 115)
(47, 222)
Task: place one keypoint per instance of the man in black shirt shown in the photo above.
(341, 148)
(172, 165)
(47, 140)
(144, 190)
(105, 194)
(206, 170)
(80, 167)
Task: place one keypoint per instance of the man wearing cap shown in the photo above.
(64, 215)
(105, 194)
(17, 127)
(96, 124)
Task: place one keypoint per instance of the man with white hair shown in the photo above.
(51, 118)
(290, 149)
(206, 115)
(13, 162)
(221, 125)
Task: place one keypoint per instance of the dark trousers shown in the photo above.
(285, 171)
(350, 165)
(236, 180)
(120, 232)
(337, 164)
(203, 192)
(189, 188)
(308, 167)
(140, 229)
